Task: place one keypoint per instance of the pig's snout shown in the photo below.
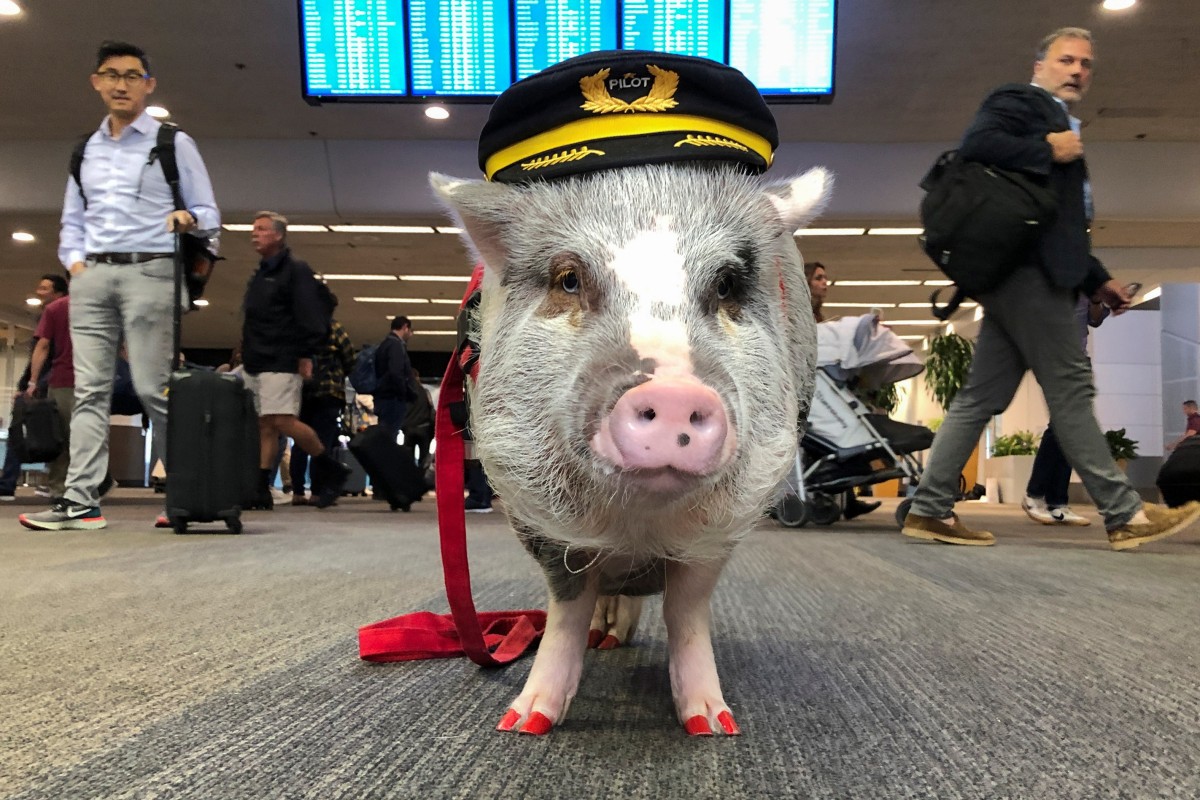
(667, 424)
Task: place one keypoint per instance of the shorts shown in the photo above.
(275, 392)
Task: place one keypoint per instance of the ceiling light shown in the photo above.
(440, 300)
(238, 228)
(978, 314)
(201, 303)
(861, 305)
(432, 333)
(1153, 294)
(158, 112)
(939, 283)
(444, 229)
(382, 228)
(912, 337)
(831, 232)
(1117, 5)
(23, 236)
(895, 231)
(926, 305)
(452, 278)
(9, 8)
(437, 112)
(874, 283)
(912, 322)
(307, 229)
(391, 300)
(32, 301)
(432, 319)
(357, 277)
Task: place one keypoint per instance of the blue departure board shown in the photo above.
(550, 31)
(683, 27)
(471, 50)
(353, 47)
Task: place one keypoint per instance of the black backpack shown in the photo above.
(198, 257)
(981, 223)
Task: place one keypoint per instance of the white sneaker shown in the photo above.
(1035, 509)
(1063, 515)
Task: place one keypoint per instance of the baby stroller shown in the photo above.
(847, 444)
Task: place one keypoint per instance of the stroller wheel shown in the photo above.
(823, 509)
(902, 511)
(791, 512)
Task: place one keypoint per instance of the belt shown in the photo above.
(126, 258)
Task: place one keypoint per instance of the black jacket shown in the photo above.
(285, 318)
(1009, 132)
(393, 370)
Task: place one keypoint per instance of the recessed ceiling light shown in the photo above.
(437, 112)
(382, 228)
(9, 8)
(895, 231)
(450, 278)
(1118, 5)
(357, 277)
(158, 112)
(874, 283)
(23, 236)
(201, 303)
(391, 300)
(32, 301)
(831, 232)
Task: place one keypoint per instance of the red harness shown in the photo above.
(490, 638)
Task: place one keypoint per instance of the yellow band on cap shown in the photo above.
(595, 129)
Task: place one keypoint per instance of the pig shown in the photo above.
(647, 358)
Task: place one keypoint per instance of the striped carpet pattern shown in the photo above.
(135, 663)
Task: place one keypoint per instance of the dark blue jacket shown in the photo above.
(286, 319)
(393, 370)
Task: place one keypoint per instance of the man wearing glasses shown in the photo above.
(117, 241)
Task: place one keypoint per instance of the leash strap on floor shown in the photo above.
(491, 638)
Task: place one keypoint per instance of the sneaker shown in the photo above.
(7, 498)
(1163, 522)
(1035, 509)
(162, 521)
(472, 506)
(1063, 515)
(65, 515)
(950, 531)
(41, 491)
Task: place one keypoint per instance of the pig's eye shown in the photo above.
(569, 282)
(724, 288)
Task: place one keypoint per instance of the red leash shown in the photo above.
(491, 638)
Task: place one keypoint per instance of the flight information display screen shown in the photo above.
(471, 50)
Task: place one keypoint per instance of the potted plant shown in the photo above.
(947, 366)
(1011, 463)
(1121, 447)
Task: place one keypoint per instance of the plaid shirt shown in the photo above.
(331, 364)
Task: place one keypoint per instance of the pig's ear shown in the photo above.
(800, 200)
(482, 210)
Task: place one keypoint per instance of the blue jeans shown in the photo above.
(109, 301)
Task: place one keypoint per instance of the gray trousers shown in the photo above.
(109, 301)
(1028, 324)
(56, 480)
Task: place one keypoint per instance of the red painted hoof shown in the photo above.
(594, 638)
(538, 724)
(610, 643)
(698, 726)
(727, 724)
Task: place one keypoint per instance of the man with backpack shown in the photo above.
(1029, 318)
(288, 314)
(117, 240)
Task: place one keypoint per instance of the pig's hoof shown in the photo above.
(697, 726)
(538, 724)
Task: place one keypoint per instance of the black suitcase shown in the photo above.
(1179, 476)
(356, 484)
(212, 449)
(212, 441)
(392, 467)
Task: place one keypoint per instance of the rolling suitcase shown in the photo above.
(356, 484)
(392, 467)
(212, 442)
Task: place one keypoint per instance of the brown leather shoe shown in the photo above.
(950, 531)
(1164, 522)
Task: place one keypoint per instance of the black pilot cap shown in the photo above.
(620, 108)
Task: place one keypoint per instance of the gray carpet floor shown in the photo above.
(135, 663)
